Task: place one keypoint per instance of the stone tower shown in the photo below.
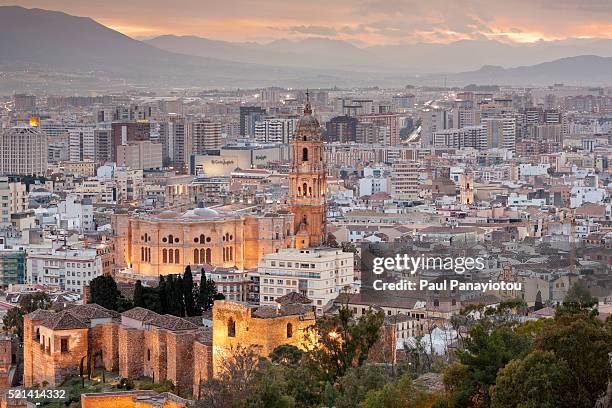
(466, 184)
(307, 185)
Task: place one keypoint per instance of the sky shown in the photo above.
(362, 22)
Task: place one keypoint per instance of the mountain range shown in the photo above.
(51, 42)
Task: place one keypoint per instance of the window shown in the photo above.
(305, 154)
(64, 345)
(196, 256)
(231, 328)
(208, 256)
(436, 302)
(164, 255)
(176, 256)
(148, 354)
(289, 330)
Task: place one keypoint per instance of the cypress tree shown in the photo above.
(190, 307)
(138, 295)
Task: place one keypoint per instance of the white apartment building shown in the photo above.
(76, 214)
(318, 273)
(23, 151)
(82, 144)
(275, 130)
(234, 284)
(432, 121)
(70, 269)
(500, 133)
(373, 181)
(129, 184)
(13, 199)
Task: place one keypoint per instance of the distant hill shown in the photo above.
(580, 70)
(55, 45)
(48, 40)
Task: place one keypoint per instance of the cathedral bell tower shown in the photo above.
(307, 185)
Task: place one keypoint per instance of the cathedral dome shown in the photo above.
(308, 127)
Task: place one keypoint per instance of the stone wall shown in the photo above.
(202, 365)
(105, 339)
(180, 360)
(131, 352)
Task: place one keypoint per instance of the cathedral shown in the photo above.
(307, 185)
(165, 243)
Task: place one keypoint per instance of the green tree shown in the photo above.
(286, 354)
(103, 291)
(540, 380)
(358, 381)
(13, 320)
(162, 295)
(190, 304)
(399, 394)
(139, 294)
(577, 299)
(208, 292)
(583, 342)
(488, 349)
(343, 341)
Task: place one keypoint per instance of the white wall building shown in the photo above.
(319, 274)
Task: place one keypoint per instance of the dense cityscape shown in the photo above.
(199, 246)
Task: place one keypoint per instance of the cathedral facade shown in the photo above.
(165, 243)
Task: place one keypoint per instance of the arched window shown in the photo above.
(176, 256)
(202, 256)
(37, 333)
(170, 256)
(277, 235)
(208, 256)
(196, 256)
(289, 330)
(231, 328)
(202, 238)
(231, 253)
(304, 189)
(305, 154)
(164, 255)
(170, 238)
(142, 255)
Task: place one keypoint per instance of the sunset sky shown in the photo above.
(363, 22)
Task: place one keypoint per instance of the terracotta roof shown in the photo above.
(172, 323)
(63, 320)
(91, 311)
(292, 298)
(40, 314)
(139, 313)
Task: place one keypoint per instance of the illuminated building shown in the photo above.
(307, 182)
(23, 151)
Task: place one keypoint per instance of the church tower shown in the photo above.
(307, 185)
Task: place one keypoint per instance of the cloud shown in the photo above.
(312, 29)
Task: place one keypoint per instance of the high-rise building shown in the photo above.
(307, 182)
(130, 131)
(249, 115)
(405, 180)
(23, 151)
(82, 143)
(143, 155)
(275, 130)
(500, 131)
(24, 102)
(341, 129)
(206, 136)
(432, 121)
(103, 142)
(179, 142)
(390, 120)
(372, 133)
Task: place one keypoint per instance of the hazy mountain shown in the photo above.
(310, 52)
(580, 70)
(421, 58)
(65, 50)
(53, 41)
